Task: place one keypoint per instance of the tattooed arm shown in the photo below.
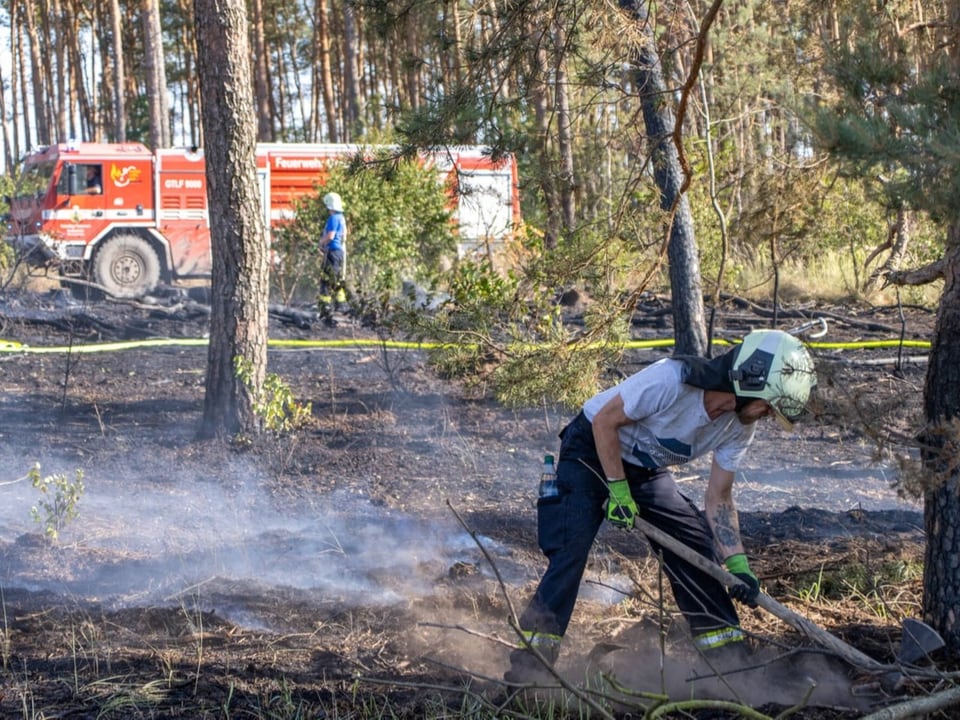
(722, 512)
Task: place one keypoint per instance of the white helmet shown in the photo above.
(775, 366)
(333, 202)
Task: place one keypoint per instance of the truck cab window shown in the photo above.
(81, 179)
(94, 180)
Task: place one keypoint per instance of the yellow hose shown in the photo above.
(11, 346)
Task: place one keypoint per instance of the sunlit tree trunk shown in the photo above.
(187, 49)
(84, 116)
(326, 74)
(412, 54)
(12, 144)
(238, 318)
(263, 92)
(119, 74)
(353, 101)
(280, 78)
(55, 74)
(156, 75)
(7, 144)
(20, 78)
(454, 53)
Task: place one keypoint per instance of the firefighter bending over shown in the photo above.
(614, 464)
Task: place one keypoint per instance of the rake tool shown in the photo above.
(919, 639)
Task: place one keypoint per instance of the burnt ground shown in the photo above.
(366, 566)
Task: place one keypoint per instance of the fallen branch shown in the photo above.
(918, 706)
(917, 276)
(781, 313)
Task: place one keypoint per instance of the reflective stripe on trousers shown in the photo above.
(718, 638)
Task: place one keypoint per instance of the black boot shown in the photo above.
(733, 657)
(527, 669)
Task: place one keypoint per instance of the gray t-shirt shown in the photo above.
(671, 425)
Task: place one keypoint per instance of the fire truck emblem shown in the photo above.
(124, 176)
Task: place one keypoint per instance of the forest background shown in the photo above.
(553, 84)
(811, 146)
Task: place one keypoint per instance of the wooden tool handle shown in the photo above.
(809, 629)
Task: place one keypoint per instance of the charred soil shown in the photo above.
(366, 566)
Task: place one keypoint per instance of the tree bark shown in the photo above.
(153, 61)
(19, 79)
(38, 78)
(187, 48)
(119, 74)
(898, 241)
(567, 179)
(263, 88)
(7, 145)
(326, 74)
(540, 99)
(353, 117)
(686, 285)
(412, 60)
(51, 68)
(941, 447)
(916, 276)
(90, 125)
(239, 289)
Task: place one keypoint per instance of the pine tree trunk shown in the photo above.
(326, 74)
(238, 319)
(537, 62)
(941, 440)
(567, 179)
(38, 78)
(19, 79)
(686, 285)
(351, 74)
(90, 123)
(7, 147)
(156, 76)
(119, 74)
(55, 75)
(262, 89)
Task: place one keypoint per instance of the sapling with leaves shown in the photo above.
(273, 402)
(59, 500)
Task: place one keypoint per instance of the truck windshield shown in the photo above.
(34, 180)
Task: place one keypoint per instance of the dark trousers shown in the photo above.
(330, 271)
(568, 524)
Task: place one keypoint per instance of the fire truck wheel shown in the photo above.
(126, 266)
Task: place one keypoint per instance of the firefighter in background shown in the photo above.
(614, 465)
(332, 245)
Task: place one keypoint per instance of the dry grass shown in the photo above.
(830, 277)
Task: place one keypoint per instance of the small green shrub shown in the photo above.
(273, 402)
(59, 497)
(504, 331)
(399, 227)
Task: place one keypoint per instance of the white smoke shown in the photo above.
(158, 546)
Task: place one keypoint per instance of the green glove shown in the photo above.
(748, 588)
(621, 507)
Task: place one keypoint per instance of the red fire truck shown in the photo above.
(127, 218)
